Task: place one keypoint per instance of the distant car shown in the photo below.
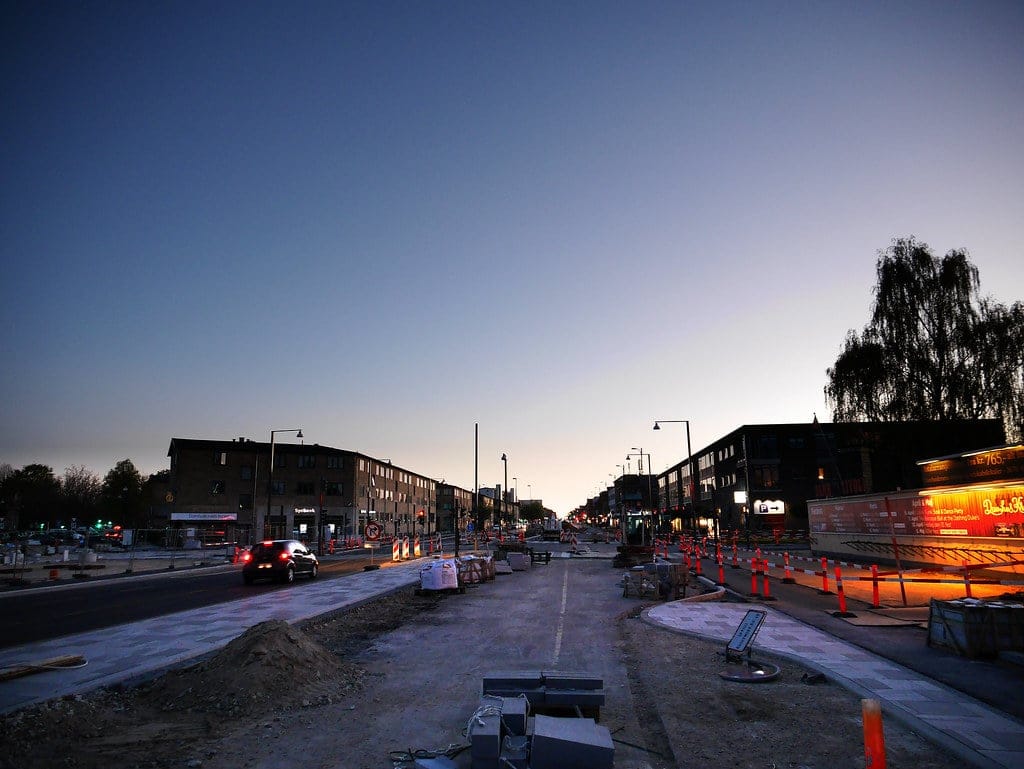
(280, 559)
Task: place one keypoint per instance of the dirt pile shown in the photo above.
(272, 666)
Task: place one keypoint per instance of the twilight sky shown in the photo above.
(384, 222)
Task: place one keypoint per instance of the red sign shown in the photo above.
(986, 512)
(372, 532)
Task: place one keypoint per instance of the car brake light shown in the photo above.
(284, 556)
(246, 556)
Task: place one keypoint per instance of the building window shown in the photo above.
(307, 461)
(279, 461)
(220, 458)
(795, 443)
(277, 488)
(245, 501)
(332, 489)
(333, 463)
(246, 472)
(305, 488)
(765, 476)
(216, 487)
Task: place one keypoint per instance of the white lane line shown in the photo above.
(561, 618)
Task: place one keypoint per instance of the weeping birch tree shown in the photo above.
(934, 349)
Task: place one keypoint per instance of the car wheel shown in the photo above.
(315, 571)
(289, 575)
(247, 579)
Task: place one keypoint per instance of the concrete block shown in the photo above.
(441, 762)
(570, 743)
(514, 680)
(515, 752)
(513, 713)
(485, 741)
(519, 561)
(558, 680)
(584, 698)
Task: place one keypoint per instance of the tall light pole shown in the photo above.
(270, 470)
(504, 489)
(691, 485)
(515, 499)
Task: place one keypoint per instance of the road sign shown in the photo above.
(372, 532)
(469, 526)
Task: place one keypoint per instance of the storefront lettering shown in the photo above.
(1003, 506)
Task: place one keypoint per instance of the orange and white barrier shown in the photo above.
(405, 549)
(416, 548)
(396, 551)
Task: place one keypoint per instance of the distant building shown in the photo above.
(760, 477)
(225, 488)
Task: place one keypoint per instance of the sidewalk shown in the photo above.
(969, 729)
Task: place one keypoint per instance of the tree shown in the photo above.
(80, 495)
(933, 349)
(121, 495)
(32, 497)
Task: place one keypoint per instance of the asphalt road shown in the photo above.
(39, 614)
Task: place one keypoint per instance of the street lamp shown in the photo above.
(692, 487)
(270, 471)
(515, 498)
(504, 489)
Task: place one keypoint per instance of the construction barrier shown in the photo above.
(824, 577)
(405, 549)
(721, 569)
(767, 596)
(788, 579)
(416, 548)
(753, 577)
(396, 550)
(842, 596)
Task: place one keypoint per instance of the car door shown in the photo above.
(303, 562)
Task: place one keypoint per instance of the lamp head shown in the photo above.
(504, 458)
(299, 435)
(657, 426)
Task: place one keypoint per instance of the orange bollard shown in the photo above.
(874, 585)
(967, 580)
(696, 560)
(721, 569)
(842, 596)
(54, 574)
(824, 577)
(788, 579)
(767, 590)
(874, 734)
(753, 576)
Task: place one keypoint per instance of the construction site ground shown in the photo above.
(403, 673)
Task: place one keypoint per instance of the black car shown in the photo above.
(280, 559)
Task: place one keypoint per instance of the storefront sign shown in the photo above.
(204, 516)
(980, 512)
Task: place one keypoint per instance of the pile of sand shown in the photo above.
(272, 665)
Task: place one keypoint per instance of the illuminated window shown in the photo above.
(220, 457)
(821, 473)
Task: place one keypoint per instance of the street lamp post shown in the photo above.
(270, 470)
(515, 498)
(504, 490)
(691, 486)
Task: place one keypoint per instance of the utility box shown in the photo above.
(976, 629)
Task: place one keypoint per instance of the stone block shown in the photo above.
(570, 743)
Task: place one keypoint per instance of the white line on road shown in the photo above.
(561, 619)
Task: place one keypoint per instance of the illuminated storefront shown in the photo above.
(971, 511)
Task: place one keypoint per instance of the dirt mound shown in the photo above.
(272, 664)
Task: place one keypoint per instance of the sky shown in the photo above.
(392, 224)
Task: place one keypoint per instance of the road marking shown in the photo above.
(561, 618)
